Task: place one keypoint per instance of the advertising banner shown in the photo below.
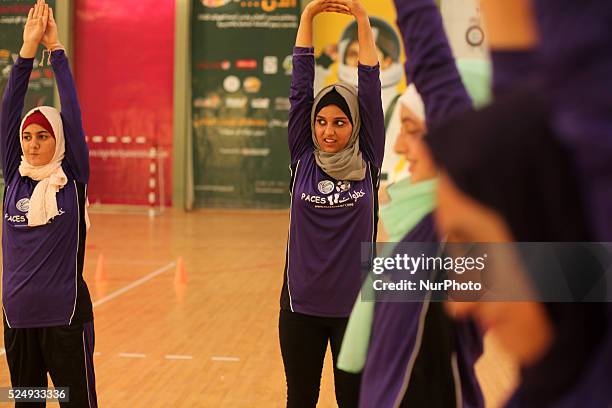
(241, 72)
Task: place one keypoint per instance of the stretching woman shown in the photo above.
(48, 319)
(336, 142)
(411, 354)
(564, 349)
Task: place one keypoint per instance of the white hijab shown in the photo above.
(413, 101)
(51, 177)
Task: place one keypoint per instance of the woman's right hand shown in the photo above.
(36, 23)
(325, 6)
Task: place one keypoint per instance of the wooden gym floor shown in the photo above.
(211, 341)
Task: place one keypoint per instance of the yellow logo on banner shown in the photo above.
(270, 5)
(215, 3)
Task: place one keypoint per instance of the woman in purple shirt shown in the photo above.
(47, 310)
(567, 46)
(566, 360)
(336, 143)
(415, 355)
(564, 349)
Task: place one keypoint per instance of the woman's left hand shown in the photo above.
(356, 8)
(51, 38)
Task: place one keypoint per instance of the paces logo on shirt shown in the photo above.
(23, 206)
(334, 195)
(16, 219)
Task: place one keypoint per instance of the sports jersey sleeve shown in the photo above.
(301, 98)
(10, 115)
(372, 137)
(510, 66)
(429, 61)
(77, 152)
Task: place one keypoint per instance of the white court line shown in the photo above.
(178, 357)
(97, 353)
(219, 358)
(134, 284)
(2, 351)
(132, 355)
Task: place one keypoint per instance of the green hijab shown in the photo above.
(409, 204)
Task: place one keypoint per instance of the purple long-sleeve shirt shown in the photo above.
(577, 58)
(573, 62)
(393, 342)
(512, 68)
(329, 218)
(431, 67)
(42, 281)
(429, 60)
(590, 388)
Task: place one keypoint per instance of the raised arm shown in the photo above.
(17, 86)
(512, 38)
(367, 46)
(77, 153)
(429, 61)
(372, 136)
(302, 79)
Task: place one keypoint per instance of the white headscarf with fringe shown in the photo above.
(51, 177)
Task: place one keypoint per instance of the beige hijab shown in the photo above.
(347, 164)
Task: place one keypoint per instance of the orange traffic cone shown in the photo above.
(101, 288)
(180, 290)
(180, 276)
(100, 270)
